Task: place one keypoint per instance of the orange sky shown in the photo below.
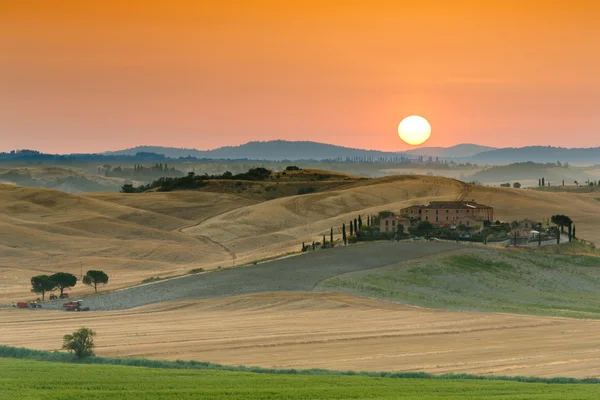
(98, 75)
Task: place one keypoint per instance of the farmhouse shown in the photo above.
(450, 213)
(391, 223)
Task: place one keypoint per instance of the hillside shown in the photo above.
(66, 180)
(528, 173)
(457, 151)
(269, 150)
(539, 154)
(136, 236)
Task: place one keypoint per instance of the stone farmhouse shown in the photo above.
(391, 223)
(451, 213)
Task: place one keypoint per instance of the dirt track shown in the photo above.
(301, 273)
(325, 330)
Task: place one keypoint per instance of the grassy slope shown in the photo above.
(26, 379)
(489, 280)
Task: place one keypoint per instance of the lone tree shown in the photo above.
(562, 221)
(94, 278)
(331, 237)
(80, 342)
(63, 280)
(41, 284)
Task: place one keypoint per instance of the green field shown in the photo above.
(26, 379)
(488, 280)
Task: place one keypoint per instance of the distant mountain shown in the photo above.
(538, 154)
(457, 151)
(271, 150)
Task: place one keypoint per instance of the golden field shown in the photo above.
(136, 236)
(325, 330)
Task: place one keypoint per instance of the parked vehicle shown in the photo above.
(53, 297)
(64, 296)
(75, 305)
(22, 304)
(34, 304)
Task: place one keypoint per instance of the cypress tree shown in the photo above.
(331, 237)
(344, 234)
(557, 236)
(359, 223)
(540, 238)
(324, 242)
(574, 237)
(543, 182)
(303, 247)
(313, 245)
(570, 233)
(351, 229)
(356, 226)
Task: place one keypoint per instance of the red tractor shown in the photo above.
(75, 305)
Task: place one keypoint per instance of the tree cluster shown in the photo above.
(42, 284)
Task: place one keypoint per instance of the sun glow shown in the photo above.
(414, 130)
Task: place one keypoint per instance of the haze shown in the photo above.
(99, 75)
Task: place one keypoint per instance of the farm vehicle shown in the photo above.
(75, 305)
(31, 304)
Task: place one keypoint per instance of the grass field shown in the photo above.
(489, 280)
(28, 380)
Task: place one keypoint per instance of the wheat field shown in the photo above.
(325, 330)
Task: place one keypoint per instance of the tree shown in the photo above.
(344, 234)
(313, 245)
(356, 226)
(462, 227)
(359, 223)
(561, 221)
(351, 228)
(574, 237)
(63, 280)
(368, 220)
(543, 182)
(517, 185)
(514, 224)
(42, 284)
(477, 227)
(324, 242)
(94, 278)
(127, 188)
(570, 233)
(303, 247)
(399, 231)
(80, 342)
(331, 237)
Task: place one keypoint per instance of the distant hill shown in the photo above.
(530, 171)
(538, 154)
(271, 150)
(460, 150)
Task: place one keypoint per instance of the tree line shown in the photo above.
(193, 181)
(42, 284)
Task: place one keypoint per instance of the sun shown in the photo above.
(414, 130)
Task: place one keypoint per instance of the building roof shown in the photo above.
(395, 217)
(437, 205)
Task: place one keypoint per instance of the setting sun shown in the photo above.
(414, 130)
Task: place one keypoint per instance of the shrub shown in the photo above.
(307, 190)
(80, 342)
(195, 271)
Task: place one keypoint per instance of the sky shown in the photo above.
(90, 76)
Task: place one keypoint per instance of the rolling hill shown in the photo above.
(137, 236)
